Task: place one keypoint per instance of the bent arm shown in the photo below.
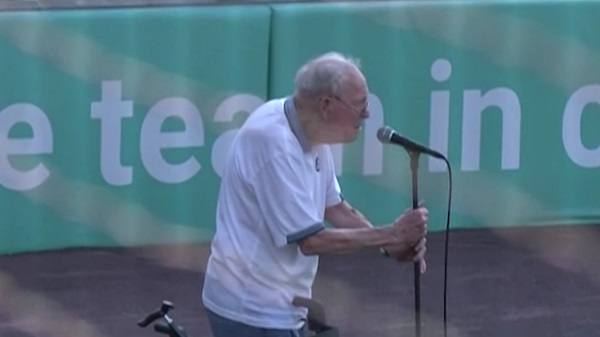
(343, 215)
(345, 240)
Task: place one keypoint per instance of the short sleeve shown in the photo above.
(285, 201)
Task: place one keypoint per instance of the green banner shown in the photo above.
(509, 91)
(114, 123)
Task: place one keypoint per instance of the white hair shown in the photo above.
(325, 74)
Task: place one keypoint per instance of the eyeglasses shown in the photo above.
(362, 113)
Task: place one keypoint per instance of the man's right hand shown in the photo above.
(407, 231)
(411, 226)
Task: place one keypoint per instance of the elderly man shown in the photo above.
(277, 190)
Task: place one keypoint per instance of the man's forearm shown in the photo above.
(346, 216)
(345, 240)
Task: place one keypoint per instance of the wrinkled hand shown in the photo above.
(415, 254)
(409, 231)
(411, 226)
(419, 255)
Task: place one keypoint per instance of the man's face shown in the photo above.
(346, 111)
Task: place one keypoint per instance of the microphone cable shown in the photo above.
(446, 243)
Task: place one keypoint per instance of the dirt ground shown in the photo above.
(519, 282)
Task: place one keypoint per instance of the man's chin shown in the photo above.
(350, 138)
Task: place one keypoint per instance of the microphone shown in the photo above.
(387, 135)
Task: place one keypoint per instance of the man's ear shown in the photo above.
(324, 105)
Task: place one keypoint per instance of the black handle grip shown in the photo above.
(173, 330)
(150, 318)
(163, 310)
(162, 328)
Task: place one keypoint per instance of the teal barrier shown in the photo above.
(508, 90)
(114, 123)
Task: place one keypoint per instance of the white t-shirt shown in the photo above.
(274, 191)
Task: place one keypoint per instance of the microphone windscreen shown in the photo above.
(384, 134)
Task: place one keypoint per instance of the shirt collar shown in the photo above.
(292, 117)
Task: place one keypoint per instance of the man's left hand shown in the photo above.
(416, 254)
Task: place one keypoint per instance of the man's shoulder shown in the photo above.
(267, 111)
(264, 136)
(266, 127)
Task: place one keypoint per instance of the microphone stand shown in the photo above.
(414, 166)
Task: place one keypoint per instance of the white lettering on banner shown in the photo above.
(110, 110)
(473, 105)
(152, 140)
(373, 148)
(571, 129)
(439, 119)
(40, 143)
(225, 112)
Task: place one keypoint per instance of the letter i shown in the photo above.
(439, 114)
